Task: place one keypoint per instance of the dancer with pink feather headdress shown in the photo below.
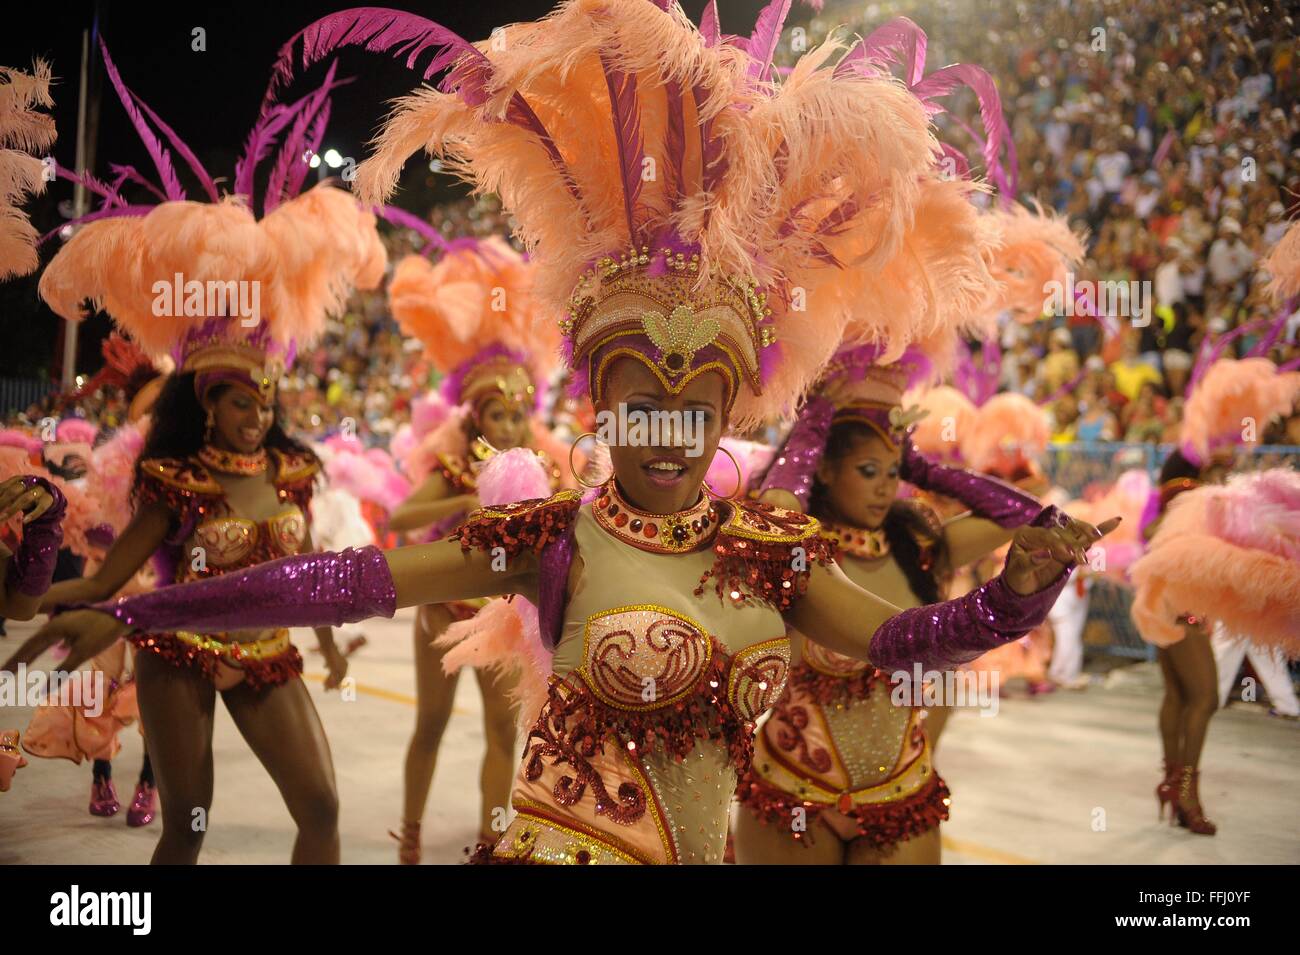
(1223, 562)
(230, 295)
(475, 313)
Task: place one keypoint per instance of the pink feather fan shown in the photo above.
(949, 415)
(505, 636)
(24, 130)
(1227, 553)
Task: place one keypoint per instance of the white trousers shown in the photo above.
(1067, 617)
(1229, 650)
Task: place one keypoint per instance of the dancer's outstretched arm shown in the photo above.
(849, 620)
(307, 590)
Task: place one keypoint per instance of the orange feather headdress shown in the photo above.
(684, 206)
(1231, 404)
(24, 129)
(475, 313)
(228, 294)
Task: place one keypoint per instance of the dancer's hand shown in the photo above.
(1039, 554)
(336, 664)
(33, 498)
(87, 633)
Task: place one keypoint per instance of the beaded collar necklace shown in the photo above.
(678, 533)
(858, 541)
(232, 462)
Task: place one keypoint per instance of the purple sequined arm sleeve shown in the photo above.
(796, 463)
(987, 497)
(32, 566)
(308, 590)
(944, 636)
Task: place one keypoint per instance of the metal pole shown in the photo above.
(79, 204)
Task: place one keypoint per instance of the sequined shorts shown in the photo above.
(272, 661)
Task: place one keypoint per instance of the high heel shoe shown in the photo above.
(1167, 789)
(103, 798)
(408, 843)
(144, 805)
(11, 758)
(1187, 805)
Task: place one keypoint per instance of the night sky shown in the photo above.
(211, 99)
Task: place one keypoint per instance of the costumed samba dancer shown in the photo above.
(474, 313)
(664, 611)
(29, 550)
(844, 774)
(219, 485)
(1193, 576)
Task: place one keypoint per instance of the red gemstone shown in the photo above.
(652, 530)
(635, 525)
(620, 520)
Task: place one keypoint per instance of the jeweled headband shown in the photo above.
(216, 354)
(496, 372)
(651, 307)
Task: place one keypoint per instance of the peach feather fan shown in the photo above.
(805, 186)
(1008, 427)
(1036, 249)
(303, 256)
(1234, 397)
(1229, 553)
(949, 415)
(472, 299)
(1283, 265)
(24, 129)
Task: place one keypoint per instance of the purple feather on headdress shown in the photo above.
(279, 187)
(171, 185)
(765, 37)
(187, 154)
(710, 26)
(627, 134)
(131, 174)
(452, 384)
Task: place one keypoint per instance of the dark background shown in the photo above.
(211, 100)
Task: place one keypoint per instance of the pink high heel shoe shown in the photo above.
(144, 805)
(103, 799)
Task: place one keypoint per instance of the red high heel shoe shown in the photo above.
(1167, 789)
(408, 843)
(103, 799)
(11, 758)
(1187, 805)
(144, 805)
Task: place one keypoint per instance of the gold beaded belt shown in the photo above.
(264, 649)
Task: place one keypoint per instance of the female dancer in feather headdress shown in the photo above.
(219, 485)
(665, 609)
(473, 311)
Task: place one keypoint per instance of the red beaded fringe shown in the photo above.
(749, 570)
(882, 824)
(272, 671)
(527, 526)
(828, 690)
(574, 726)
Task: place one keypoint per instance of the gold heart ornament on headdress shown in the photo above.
(678, 337)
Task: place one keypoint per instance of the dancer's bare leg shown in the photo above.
(281, 726)
(176, 707)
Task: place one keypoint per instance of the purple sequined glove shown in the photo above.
(308, 590)
(796, 463)
(987, 497)
(32, 566)
(944, 636)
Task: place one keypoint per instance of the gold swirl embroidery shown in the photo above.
(644, 663)
(752, 687)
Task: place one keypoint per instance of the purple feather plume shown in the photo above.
(161, 158)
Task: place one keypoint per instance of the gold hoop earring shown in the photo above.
(572, 470)
(740, 478)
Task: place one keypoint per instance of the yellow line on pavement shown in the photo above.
(984, 853)
(391, 695)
